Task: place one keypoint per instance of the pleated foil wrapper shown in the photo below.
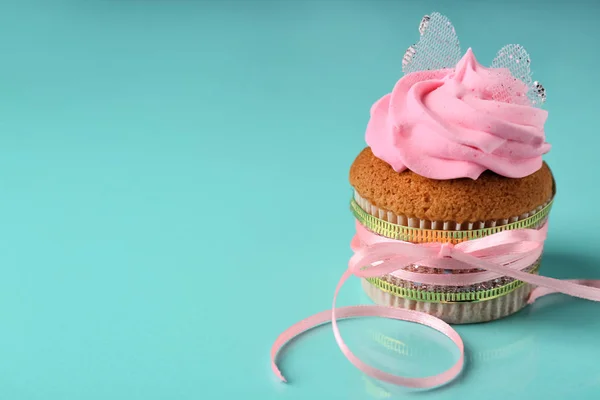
(481, 302)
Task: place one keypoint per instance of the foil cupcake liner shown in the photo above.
(482, 302)
(450, 294)
(456, 313)
(417, 223)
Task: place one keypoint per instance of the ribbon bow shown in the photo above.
(505, 253)
(515, 250)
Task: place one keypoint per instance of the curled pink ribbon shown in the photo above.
(505, 253)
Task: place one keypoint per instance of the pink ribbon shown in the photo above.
(505, 253)
(517, 250)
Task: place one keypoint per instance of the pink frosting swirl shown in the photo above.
(457, 123)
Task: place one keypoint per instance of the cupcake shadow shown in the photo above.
(563, 264)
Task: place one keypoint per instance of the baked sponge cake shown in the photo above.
(456, 147)
(465, 202)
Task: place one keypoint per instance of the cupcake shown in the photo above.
(454, 152)
(451, 200)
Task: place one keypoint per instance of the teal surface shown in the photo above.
(174, 195)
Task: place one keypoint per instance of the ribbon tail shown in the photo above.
(373, 311)
(296, 330)
(541, 291)
(573, 288)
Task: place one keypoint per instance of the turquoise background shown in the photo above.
(174, 195)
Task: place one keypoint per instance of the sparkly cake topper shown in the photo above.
(439, 48)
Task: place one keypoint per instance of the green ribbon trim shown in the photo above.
(418, 235)
(439, 297)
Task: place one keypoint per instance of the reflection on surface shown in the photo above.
(548, 349)
(491, 360)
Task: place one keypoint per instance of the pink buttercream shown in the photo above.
(457, 123)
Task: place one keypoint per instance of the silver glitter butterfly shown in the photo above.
(424, 24)
(439, 48)
(515, 58)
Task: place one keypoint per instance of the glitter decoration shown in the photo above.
(437, 293)
(450, 294)
(438, 47)
(408, 55)
(424, 24)
(540, 91)
(514, 59)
